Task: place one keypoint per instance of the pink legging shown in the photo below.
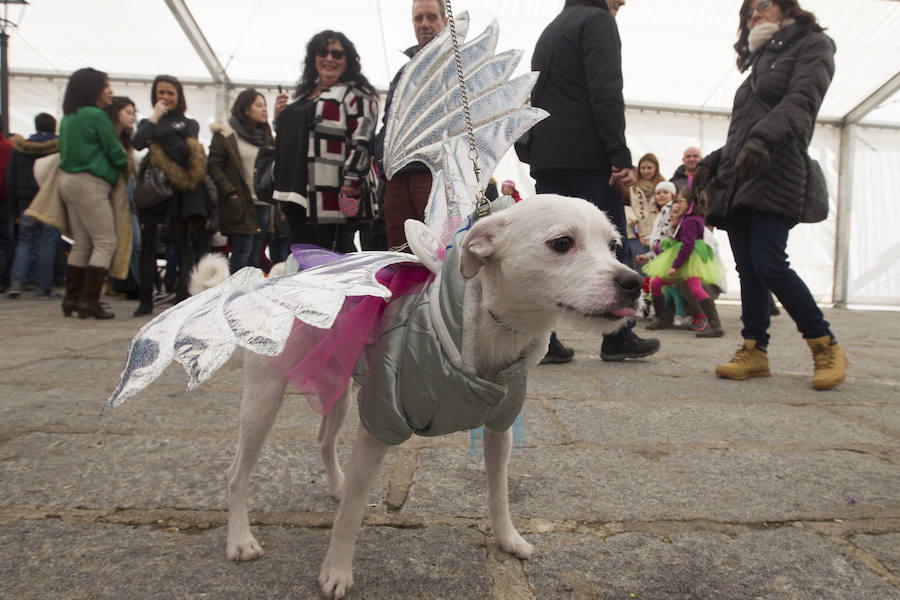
(693, 283)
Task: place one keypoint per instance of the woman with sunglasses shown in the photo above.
(759, 178)
(322, 146)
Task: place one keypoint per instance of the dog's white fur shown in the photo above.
(209, 272)
(520, 281)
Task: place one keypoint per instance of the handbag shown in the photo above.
(264, 174)
(152, 188)
(349, 205)
(815, 204)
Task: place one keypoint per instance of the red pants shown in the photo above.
(405, 197)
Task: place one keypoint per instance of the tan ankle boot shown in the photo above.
(830, 362)
(747, 362)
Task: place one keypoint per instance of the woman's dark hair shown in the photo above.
(118, 103)
(789, 8)
(698, 200)
(243, 102)
(181, 107)
(353, 72)
(45, 123)
(83, 89)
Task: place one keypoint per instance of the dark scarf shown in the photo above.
(171, 135)
(258, 136)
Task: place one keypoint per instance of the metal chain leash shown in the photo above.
(483, 205)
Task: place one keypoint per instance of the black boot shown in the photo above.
(74, 283)
(89, 303)
(145, 299)
(621, 345)
(715, 326)
(556, 352)
(663, 316)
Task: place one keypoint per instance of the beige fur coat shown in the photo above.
(47, 207)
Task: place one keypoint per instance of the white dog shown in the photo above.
(524, 267)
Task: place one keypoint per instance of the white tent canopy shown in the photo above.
(678, 63)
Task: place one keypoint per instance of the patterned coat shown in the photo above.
(790, 74)
(341, 129)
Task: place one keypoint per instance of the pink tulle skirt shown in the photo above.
(320, 362)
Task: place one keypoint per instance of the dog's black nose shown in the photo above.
(630, 282)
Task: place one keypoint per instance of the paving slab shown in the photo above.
(591, 484)
(643, 479)
(138, 471)
(73, 561)
(715, 424)
(884, 547)
(786, 563)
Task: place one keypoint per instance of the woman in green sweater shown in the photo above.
(91, 159)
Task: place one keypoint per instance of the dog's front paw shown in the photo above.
(335, 579)
(516, 545)
(245, 548)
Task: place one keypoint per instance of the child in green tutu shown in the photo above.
(687, 258)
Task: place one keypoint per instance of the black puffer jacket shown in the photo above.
(790, 74)
(579, 53)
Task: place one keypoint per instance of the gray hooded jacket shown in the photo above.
(411, 383)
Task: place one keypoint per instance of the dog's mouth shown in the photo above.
(611, 315)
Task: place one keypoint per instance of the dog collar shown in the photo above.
(503, 325)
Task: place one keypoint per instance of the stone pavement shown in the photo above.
(650, 479)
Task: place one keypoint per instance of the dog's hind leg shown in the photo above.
(336, 575)
(497, 445)
(263, 395)
(327, 438)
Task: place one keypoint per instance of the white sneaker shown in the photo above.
(676, 320)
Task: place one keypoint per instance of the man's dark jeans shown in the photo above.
(758, 241)
(594, 187)
(35, 248)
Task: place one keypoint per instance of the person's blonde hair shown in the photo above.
(657, 177)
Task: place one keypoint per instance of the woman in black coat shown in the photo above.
(758, 179)
(175, 149)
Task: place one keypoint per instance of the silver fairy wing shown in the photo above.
(427, 122)
(412, 89)
(250, 311)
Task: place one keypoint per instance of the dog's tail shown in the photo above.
(208, 273)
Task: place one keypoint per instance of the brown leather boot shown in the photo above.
(715, 326)
(89, 303)
(74, 283)
(663, 316)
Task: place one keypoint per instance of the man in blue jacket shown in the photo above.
(35, 240)
(580, 149)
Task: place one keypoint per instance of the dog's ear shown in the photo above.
(478, 245)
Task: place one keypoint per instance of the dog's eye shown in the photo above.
(613, 245)
(562, 244)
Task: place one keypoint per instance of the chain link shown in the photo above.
(482, 206)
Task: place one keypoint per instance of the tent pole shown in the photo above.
(843, 217)
(223, 102)
(194, 34)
